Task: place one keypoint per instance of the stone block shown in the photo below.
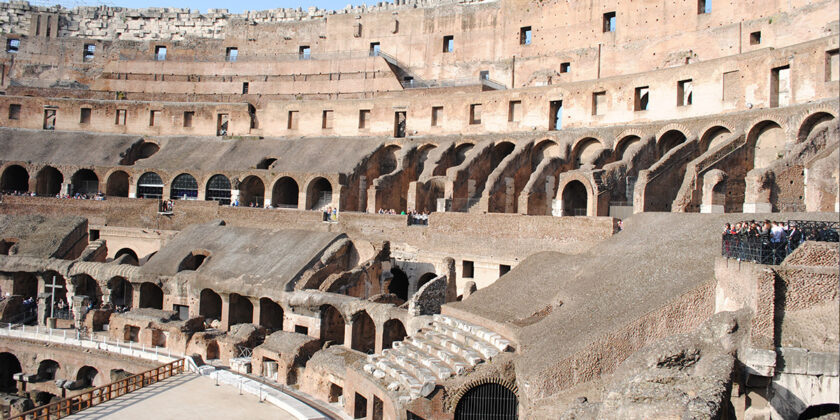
(794, 360)
(823, 364)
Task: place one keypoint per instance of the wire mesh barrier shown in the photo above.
(102, 394)
(764, 249)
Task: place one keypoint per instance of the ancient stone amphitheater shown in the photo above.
(427, 209)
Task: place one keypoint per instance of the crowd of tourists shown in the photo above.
(330, 214)
(769, 242)
(82, 196)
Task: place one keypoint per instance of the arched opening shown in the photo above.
(393, 330)
(55, 285)
(586, 151)
(117, 184)
(319, 194)
(86, 377)
(85, 285)
(184, 187)
(150, 185)
(425, 278)
(44, 398)
(544, 150)
(271, 315)
(809, 123)
(147, 150)
(241, 310)
(388, 160)
(669, 140)
(332, 325)
(266, 163)
(364, 333)
(399, 284)
(14, 179)
(487, 401)
(769, 140)
(500, 152)
(151, 296)
(47, 370)
(210, 305)
(624, 144)
(422, 156)
(285, 193)
(48, 181)
(461, 153)
(122, 292)
(574, 199)
(9, 365)
(130, 256)
(193, 261)
(218, 189)
(25, 284)
(85, 181)
(822, 411)
(212, 350)
(713, 138)
(252, 192)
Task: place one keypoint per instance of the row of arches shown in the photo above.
(85, 377)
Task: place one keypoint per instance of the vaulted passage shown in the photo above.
(151, 296)
(574, 199)
(9, 365)
(241, 310)
(332, 325)
(393, 330)
(130, 256)
(85, 285)
(319, 194)
(117, 184)
(210, 305)
(85, 181)
(399, 284)
(14, 179)
(121, 292)
(87, 377)
(48, 181)
(251, 192)
(25, 284)
(669, 140)
(271, 315)
(364, 333)
(285, 193)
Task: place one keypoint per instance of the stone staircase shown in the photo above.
(446, 347)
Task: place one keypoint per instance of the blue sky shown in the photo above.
(203, 5)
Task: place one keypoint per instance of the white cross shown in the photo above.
(52, 287)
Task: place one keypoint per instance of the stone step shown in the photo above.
(409, 364)
(471, 356)
(468, 340)
(382, 367)
(430, 362)
(457, 363)
(491, 337)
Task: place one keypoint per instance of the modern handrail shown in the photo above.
(102, 394)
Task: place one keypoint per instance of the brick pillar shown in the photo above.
(256, 312)
(225, 321)
(378, 337)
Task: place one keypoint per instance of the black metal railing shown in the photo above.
(764, 249)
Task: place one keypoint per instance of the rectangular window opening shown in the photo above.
(364, 119)
(245, 87)
(14, 111)
(374, 49)
(84, 116)
(555, 121)
(327, 119)
(525, 35)
(231, 54)
(704, 7)
(292, 122)
(222, 124)
(641, 99)
(684, 93)
(609, 22)
(475, 114)
(12, 45)
(160, 53)
(565, 67)
(154, 117)
(503, 269)
(437, 115)
(448, 43)
(832, 66)
(599, 103)
(49, 118)
(304, 52)
(514, 111)
(780, 86)
(300, 329)
(120, 117)
(88, 52)
(188, 118)
(755, 38)
(359, 407)
(467, 269)
(399, 123)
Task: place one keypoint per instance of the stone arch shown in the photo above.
(461, 151)
(332, 324)
(218, 189)
(9, 365)
(425, 278)
(193, 260)
(271, 314)
(121, 292)
(25, 284)
(586, 150)
(399, 283)
(14, 179)
(575, 198)
(85, 285)
(151, 296)
(210, 304)
(669, 140)
(388, 159)
(544, 149)
(183, 186)
(624, 143)
(146, 150)
(422, 155)
(393, 330)
(364, 333)
(318, 193)
(811, 121)
(48, 181)
(464, 398)
(285, 193)
(85, 181)
(87, 376)
(266, 162)
(252, 191)
(500, 151)
(150, 185)
(47, 369)
(131, 259)
(767, 139)
(714, 136)
(240, 310)
(117, 184)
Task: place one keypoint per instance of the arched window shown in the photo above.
(487, 401)
(184, 187)
(150, 185)
(218, 189)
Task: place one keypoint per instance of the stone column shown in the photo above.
(225, 321)
(378, 337)
(255, 319)
(66, 188)
(132, 189)
(234, 195)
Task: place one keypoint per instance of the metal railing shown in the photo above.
(761, 249)
(102, 394)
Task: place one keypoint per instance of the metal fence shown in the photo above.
(760, 248)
